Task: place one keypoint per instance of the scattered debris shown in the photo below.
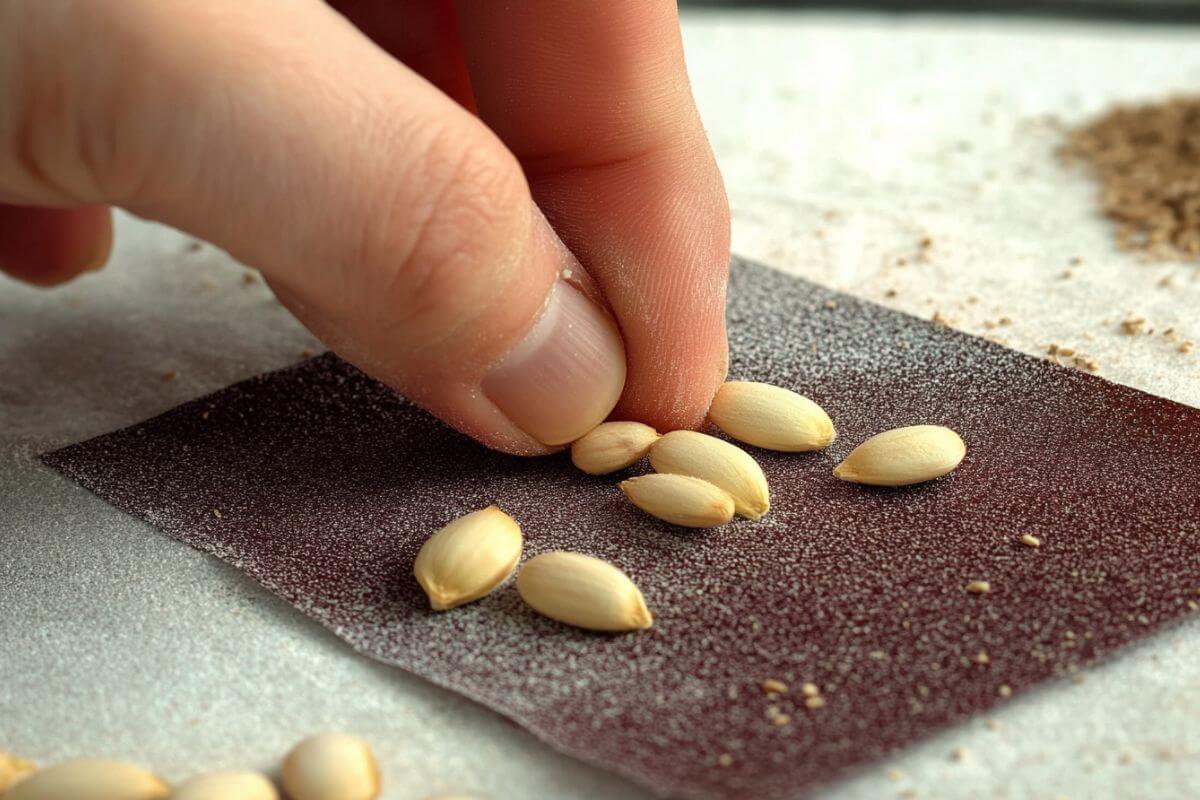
(169, 375)
(959, 754)
(1133, 325)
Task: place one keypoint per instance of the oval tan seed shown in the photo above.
(90, 779)
(13, 769)
(231, 785)
(582, 591)
(612, 446)
(903, 456)
(722, 464)
(468, 558)
(330, 766)
(771, 417)
(680, 500)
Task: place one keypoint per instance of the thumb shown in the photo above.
(393, 223)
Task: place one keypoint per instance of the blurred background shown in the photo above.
(1132, 10)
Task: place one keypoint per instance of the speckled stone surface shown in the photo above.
(844, 141)
(322, 485)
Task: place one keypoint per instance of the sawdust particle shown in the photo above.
(1132, 326)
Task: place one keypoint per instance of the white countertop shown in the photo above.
(844, 142)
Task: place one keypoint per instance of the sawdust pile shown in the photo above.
(1147, 158)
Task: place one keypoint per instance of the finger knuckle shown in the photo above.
(471, 226)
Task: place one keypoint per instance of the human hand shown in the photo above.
(433, 248)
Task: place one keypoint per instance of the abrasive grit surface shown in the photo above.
(322, 485)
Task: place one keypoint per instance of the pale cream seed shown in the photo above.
(612, 446)
(226, 786)
(773, 685)
(582, 591)
(89, 779)
(722, 464)
(978, 587)
(13, 769)
(771, 417)
(903, 456)
(680, 500)
(330, 765)
(468, 558)
(1029, 540)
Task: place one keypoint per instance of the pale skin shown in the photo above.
(507, 211)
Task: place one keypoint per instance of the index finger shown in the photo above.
(594, 100)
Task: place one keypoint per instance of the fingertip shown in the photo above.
(51, 246)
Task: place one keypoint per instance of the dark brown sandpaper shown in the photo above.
(326, 484)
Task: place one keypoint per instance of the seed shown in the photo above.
(724, 760)
(13, 769)
(90, 779)
(468, 558)
(1005, 690)
(771, 417)
(1029, 540)
(720, 463)
(226, 786)
(612, 446)
(810, 690)
(772, 685)
(330, 766)
(781, 719)
(582, 591)
(978, 587)
(680, 499)
(903, 456)
(814, 701)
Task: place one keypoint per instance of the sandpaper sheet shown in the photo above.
(322, 484)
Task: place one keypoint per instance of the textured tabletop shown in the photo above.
(846, 144)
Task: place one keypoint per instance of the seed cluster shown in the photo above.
(326, 766)
(699, 481)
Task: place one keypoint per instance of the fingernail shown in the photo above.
(566, 375)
